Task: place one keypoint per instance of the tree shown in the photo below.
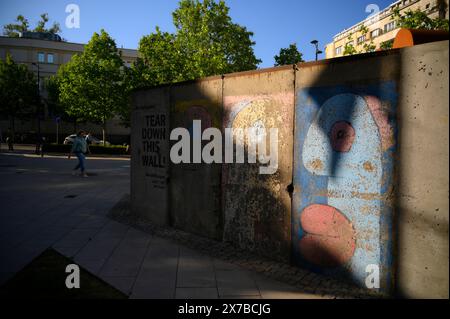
(206, 42)
(91, 85)
(18, 90)
(349, 48)
(289, 55)
(54, 105)
(162, 61)
(419, 20)
(41, 25)
(367, 47)
(14, 29)
(387, 45)
(22, 25)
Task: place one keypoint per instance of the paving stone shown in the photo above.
(157, 276)
(195, 270)
(127, 257)
(196, 293)
(123, 284)
(236, 283)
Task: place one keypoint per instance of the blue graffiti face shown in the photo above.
(343, 145)
(343, 176)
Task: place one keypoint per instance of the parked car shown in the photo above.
(89, 138)
(95, 141)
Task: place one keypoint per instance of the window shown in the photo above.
(361, 39)
(375, 33)
(41, 57)
(349, 44)
(389, 27)
(50, 58)
(338, 50)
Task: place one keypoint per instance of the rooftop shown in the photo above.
(51, 44)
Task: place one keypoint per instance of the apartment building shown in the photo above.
(44, 53)
(381, 28)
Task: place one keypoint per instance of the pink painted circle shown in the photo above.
(342, 135)
(330, 239)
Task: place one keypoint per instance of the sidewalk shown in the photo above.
(44, 206)
(145, 266)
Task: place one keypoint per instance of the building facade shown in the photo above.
(44, 57)
(380, 29)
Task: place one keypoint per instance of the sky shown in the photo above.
(275, 23)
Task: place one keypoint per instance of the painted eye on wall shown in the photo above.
(342, 136)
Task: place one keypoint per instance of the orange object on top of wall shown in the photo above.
(410, 37)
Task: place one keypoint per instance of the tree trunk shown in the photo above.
(13, 128)
(104, 132)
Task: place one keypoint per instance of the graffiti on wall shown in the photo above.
(343, 177)
(247, 193)
(186, 111)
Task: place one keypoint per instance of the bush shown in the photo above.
(95, 149)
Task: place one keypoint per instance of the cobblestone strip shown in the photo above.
(303, 279)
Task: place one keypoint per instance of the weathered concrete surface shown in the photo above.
(423, 260)
(345, 145)
(195, 188)
(371, 145)
(257, 207)
(150, 155)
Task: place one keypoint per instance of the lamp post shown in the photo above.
(38, 106)
(316, 44)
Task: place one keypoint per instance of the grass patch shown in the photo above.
(45, 277)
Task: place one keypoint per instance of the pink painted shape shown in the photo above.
(231, 101)
(330, 239)
(382, 120)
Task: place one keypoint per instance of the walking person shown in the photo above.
(79, 148)
(10, 141)
(43, 145)
(38, 144)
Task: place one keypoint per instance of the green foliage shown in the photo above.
(91, 85)
(22, 25)
(55, 107)
(206, 42)
(363, 29)
(289, 55)
(41, 25)
(369, 47)
(419, 20)
(13, 29)
(349, 49)
(18, 90)
(387, 45)
(162, 61)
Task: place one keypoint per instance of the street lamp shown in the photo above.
(316, 44)
(38, 106)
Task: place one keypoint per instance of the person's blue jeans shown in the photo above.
(81, 159)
